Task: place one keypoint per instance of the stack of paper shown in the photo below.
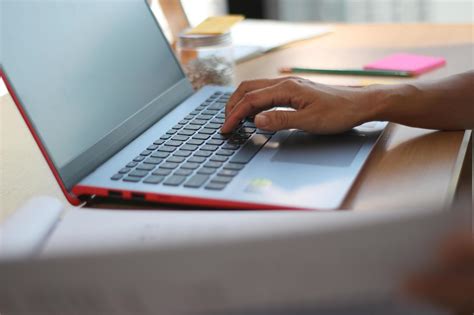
(255, 37)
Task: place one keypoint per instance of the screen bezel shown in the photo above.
(75, 170)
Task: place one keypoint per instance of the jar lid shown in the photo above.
(204, 40)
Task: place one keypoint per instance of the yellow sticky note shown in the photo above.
(216, 24)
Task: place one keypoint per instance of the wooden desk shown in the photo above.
(409, 167)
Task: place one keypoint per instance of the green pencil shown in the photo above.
(380, 73)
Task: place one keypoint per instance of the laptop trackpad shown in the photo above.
(327, 150)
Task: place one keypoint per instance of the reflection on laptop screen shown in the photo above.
(82, 67)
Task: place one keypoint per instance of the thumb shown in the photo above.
(278, 119)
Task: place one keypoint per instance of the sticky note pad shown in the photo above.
(416, 64)
(216, 25)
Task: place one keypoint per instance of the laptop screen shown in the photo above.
(83, 68)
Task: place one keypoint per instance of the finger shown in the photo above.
(249, 86)
(446, 289)
(280, 119)
(458, 250)
(259, 100)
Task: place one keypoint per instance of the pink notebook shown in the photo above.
(415, 64)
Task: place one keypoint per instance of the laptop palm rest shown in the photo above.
(324, 150)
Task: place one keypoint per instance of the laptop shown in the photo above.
(114, 115)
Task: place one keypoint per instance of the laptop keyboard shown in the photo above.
(194, 154)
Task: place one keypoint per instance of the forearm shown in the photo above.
(446, 104)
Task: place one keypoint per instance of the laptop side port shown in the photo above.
(138, 196)
(115, 194)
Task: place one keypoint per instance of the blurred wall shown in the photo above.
(442, 11)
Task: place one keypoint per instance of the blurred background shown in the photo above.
(351, 11)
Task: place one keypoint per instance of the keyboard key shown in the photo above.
(215, 142)
(139, 158)
(190, 166)
(213, 126)
(210, 112)
(230, 146)
(215, 186)
(203, 153)
(174, 143)
(231, 173)
(182, 153)
(165, 137)
(206, 171)
(146, 167)
(218, 121)
(247, 129)
(160, 155)
(264, 132)
(175, 159)
(162, 172)
(222, 179)
(146, 153)
(234, 166)
(198, 122)
(249, 150)
(225, 152)
(171, 132)
(250, 124)
(209, 147)
(189, 147)
(132, 164)
(169, 165)
(152, 147)
(195, 112)
(192, 127)
(183, 122)
(138, 173)
(174, 180)
(154, 179)
(189, 117)
(213, 164)
(201, 136)
(153, 160)
(219, 158)
(166, 148)
(196, 159)
(179, 138)
(186, 132)
(195, 142)
(207, 131)
(220, 116)
(159, 141)
(124, 170)
(217, 105)
(220, 136)
(205, 117)
(196, 181)
(132, 179)
(183, 172)
(116, 177)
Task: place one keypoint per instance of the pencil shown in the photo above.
(380, 73)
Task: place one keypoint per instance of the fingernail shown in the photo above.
(261, 120)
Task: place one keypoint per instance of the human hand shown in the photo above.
(451, 283)
(317, 108)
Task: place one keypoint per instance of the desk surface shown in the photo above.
(408, 168)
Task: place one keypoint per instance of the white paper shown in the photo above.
(26, 230)
(253, 37)
(301, 261)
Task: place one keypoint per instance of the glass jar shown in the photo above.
(207, 59)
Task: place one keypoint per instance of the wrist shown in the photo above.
(389, 102)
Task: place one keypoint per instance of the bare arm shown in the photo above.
(444, 104)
